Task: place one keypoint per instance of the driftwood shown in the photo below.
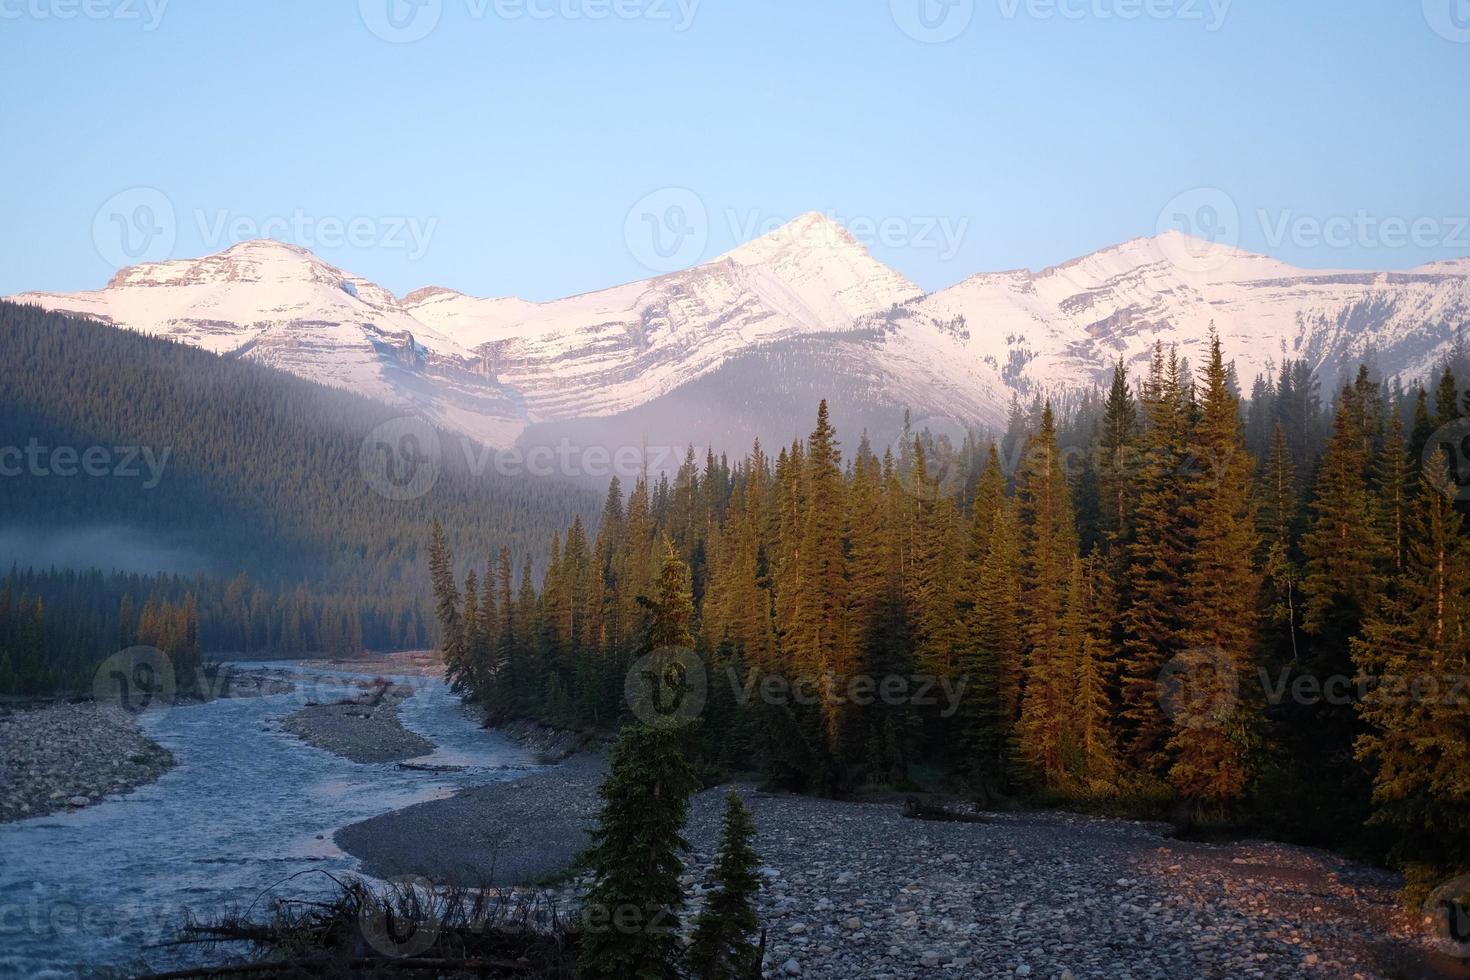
(476, 932)
(917, 809)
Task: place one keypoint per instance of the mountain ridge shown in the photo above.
(493, 367)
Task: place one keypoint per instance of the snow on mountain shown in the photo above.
(1063, 327)
(605, 352)
(281, 305)
(739, 345)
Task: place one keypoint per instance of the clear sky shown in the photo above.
(507, 149)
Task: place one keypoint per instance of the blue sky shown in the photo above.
(505, 150)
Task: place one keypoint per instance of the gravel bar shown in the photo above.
(859, 890)
(363, 729)
(65, 756)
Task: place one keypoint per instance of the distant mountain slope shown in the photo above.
(223, 466)
(675, 352)
(1064, 326)
(282, 306)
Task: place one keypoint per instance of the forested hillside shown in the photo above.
(249, 481)
(1166, 603)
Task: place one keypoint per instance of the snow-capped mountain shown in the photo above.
(1064, 326)
(281, 305)
(744, 345)
(606, 352)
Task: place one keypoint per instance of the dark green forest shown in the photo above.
(290, 549)
(1166, 602)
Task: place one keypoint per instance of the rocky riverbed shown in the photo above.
(365, 728)
(859, 890)
(64, 756)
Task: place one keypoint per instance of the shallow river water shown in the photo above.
(247, 808)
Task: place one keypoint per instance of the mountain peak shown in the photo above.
(812, 232)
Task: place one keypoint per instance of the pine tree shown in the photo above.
(723, 946)
(993, 698)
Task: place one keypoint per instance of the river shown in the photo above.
(248, 813)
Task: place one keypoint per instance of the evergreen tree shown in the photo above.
(817, 635)
(1153, 609)
(1116, 443)
(446, 604)
(723, 946)
(1210, 747)
(1049, 544)
(632, 909)
(1415, 654)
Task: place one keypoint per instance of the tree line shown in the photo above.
(1146, 613)
(257, 474)
(57, 626)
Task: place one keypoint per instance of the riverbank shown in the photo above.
(65, 756)
(857, 889)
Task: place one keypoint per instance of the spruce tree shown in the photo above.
(818, 638)
(1446, 399)
(1210, 742)
(1092, 757)
(724, 942)
(1158, 552)
(1343, 546)
(1415, 654)
(446, 604)
(1281, 570)
(631, 914)
(1116, 452)
(1049, 546)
